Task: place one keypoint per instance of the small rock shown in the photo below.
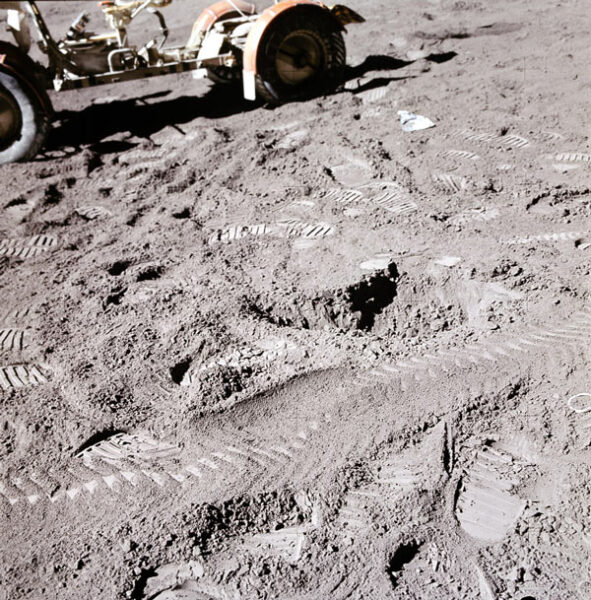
(416, 54)
(448, 261)
(514, 271)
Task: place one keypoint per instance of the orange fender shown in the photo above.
(20, 65)
(215, 12)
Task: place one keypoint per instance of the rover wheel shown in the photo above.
(24, 122)
(225, 75)
(301, 55)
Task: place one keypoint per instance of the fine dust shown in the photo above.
(298, 353)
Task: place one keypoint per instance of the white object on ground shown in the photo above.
(417, 54)
(353, 212)
(376, 264)
(448, 261)
(563, 168)
(411, 122)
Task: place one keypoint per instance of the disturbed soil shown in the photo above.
(299, 353)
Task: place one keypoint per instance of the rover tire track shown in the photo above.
(282, 229)
(506, 141)
(124, 464)
(482, 354)
(27, 247)
(388, 196)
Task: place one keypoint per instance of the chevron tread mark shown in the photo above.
(13, 377)
(27, 247)
(282, 229)
(294, 228)
(570, 157)
(508, 141)
(450, 183)
(238, 232)
(11, 339)
(126, 463)
(123, 449)
(343, 196)
(17, 315)
(42, 241)
(22, 252)
(461, 154)
(394, 203)
(574, 331)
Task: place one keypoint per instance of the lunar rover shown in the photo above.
(291, 50)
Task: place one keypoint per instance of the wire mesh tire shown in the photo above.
(24, 122)
(302, 55)
(226, 75)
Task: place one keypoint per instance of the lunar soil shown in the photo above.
(297, 353)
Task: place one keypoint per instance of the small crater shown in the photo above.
(371, 296)
(16, 202)
(185, 213)
(114, 297)
(118, 267)
(133, 219)
(179, 370)
(404, 554)
(51, 195)
(352, 308)
(150, 273)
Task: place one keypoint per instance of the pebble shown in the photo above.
(417, 54)
(448, 261)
